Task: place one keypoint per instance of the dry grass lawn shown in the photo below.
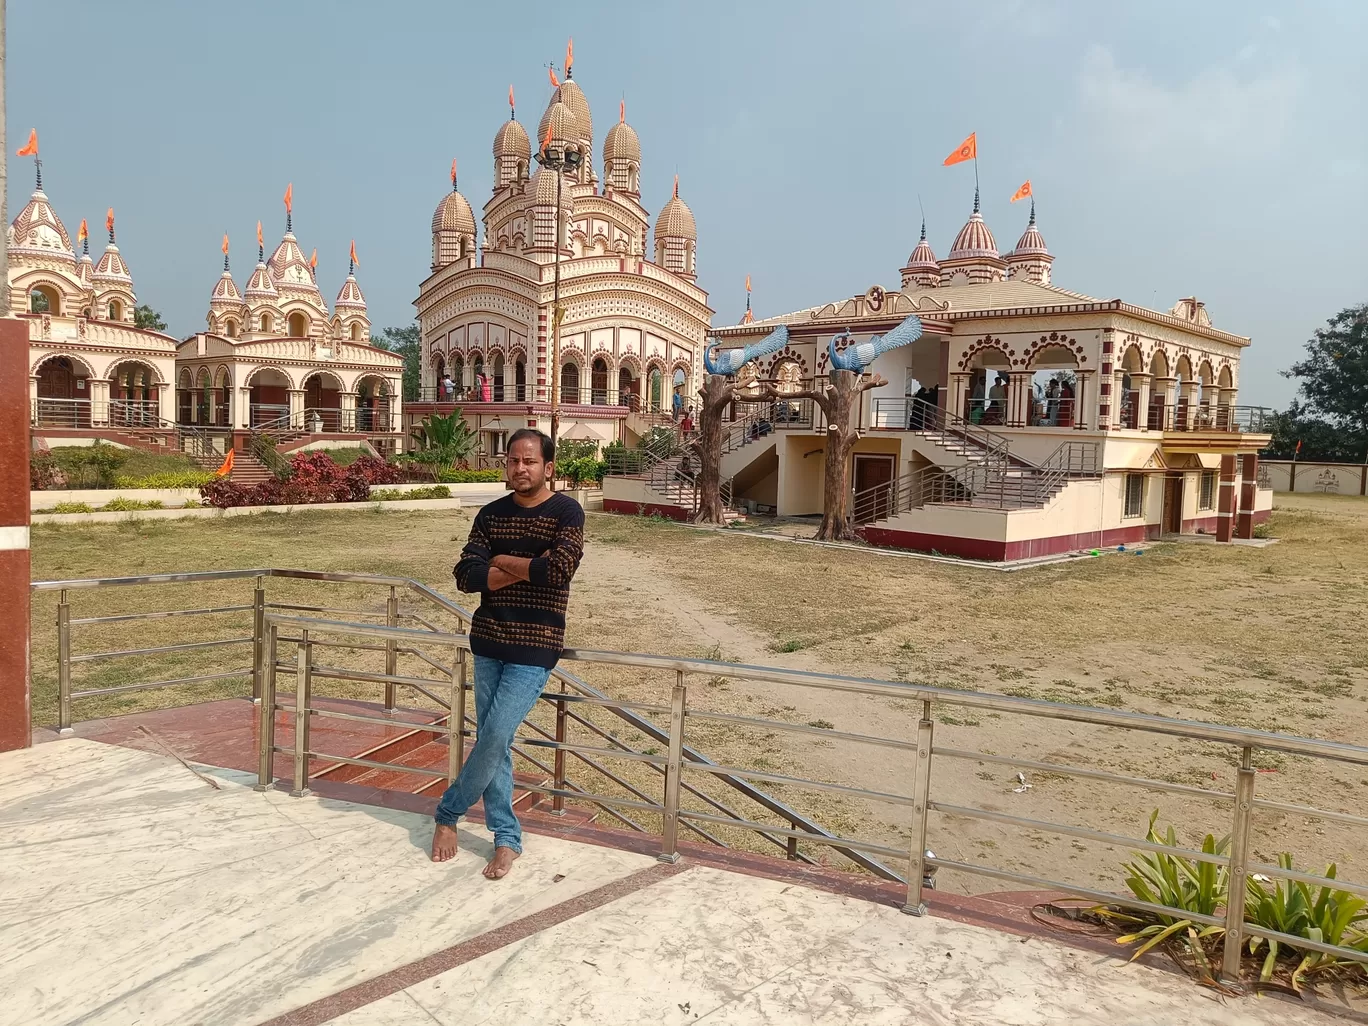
(1272, 638)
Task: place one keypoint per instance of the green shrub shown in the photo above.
(42, 469)
(582, 469)
(89, 466)
(73, 507)
(1324, 914)
(426, 492)
(192, 504)
(165, 479)
(347, 456)
(568, 449)
(449, 476)
(123, 504)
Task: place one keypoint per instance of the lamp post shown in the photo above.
(559, 159)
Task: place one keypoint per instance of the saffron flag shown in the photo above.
(313, 260)
(226, 467)
(546, 142)
(31, 148)
(748, 283)
(353, 253)
(967, 150)
(225, 242)
(83, 233)
(510, 96)
(109, 221)
(569, 55)
(676, 192)
(453, 172)
(622, 111)
(259, 239)
(1023, 192)
(1297, 451)
(289, 198)
(555, 82)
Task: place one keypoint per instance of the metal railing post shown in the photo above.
(63, 664)
(266, 733)
(1239, 856)
(303, 689)
(258, 638)
(391, 648)
(562, 721)
(921, 795)
(669, 832)
(456, 717)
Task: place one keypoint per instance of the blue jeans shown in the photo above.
(504, 694)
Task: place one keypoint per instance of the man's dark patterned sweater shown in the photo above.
(524, 622)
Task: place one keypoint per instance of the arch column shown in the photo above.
(348, 401)
(242, 409)
(99, 401)
(1225, 416)
(1086, 401)
(1141, 381)
(958, 392)
(1187, 399)
(296, 408)
(1018, 413)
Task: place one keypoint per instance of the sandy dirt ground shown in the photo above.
(1271, 638)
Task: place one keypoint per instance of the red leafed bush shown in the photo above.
(314, 477)
(373, 470)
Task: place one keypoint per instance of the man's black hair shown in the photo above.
(548, 448)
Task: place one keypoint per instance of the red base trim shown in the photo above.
(995, 551)
(648, 509)
(1201, 525)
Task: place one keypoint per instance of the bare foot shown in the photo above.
(443, 843)
(500, 864)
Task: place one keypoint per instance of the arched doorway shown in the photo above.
(476, 373)
(45, 299)
(223, 388)
(629, 388)
(133, 395)
(498, 378)
(204, 397)
(1054, 388)
(598, 381)
(185, 396)
(569, 383)
(657, 389)
(438, 375)
(322, 402)
(1159, 372)
(520, 381)
(986, 402)
(63, 393)
(268, 394)
(298, 325)
(373, 405)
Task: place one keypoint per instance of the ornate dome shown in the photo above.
(349, 296)
(39, 231)
(225, 289)
(85, 269)
(621, 143)
(572, 96)
(289, 268)
(676, 220)
(111, 270)
(453, 214)
(975, 241)
(260, 287)
(512, 141)
(560, 120)
(544, 188)
(1031, 242)
(922, 259)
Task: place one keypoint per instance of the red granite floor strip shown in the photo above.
(328, 1008)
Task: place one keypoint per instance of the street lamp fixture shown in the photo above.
(559, 159)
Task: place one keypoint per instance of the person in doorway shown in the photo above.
(486, 388)
(976, 410)
(676, 403)
(686, 426)
(448, 387)
(521, 555)
(997, 401)
(1066, 404)
(1052, 403)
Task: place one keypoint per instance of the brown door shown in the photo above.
(876, 473)
(1173, 504)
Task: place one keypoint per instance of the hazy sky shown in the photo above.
(1212, 148)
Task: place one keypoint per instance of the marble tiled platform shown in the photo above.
(132, 892)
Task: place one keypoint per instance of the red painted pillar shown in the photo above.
(1249, 484)
(14, 534)
(1225, 509)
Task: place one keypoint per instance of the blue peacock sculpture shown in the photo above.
(858, 357)
(731, 361)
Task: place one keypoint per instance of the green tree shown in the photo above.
(148, 319)
(1330, 415)
(407, 342)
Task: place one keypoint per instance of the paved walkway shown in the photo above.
(133, 891)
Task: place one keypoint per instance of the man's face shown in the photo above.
(526, 471)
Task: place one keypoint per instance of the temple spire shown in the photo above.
(976, 198)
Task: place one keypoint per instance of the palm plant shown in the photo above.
(1323, 914)
(444, 439)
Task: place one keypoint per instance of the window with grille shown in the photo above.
(1208, 495)
(1135, 495)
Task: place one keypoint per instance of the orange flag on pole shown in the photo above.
(225, 243)
(453, 172)
(109, 221)
(289, 198)
(555, 82)
(748, 283)
(31, 148)
(622, 111)
(966, 150)
(260, 242)
(226, 467)
(1023, 192)
(313, 260)
(546, 142)
(510, 96)
(353, 253)
(569, 56)
(83, 233)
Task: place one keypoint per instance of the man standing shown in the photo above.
(522, 552)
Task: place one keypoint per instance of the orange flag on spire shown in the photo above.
(748, 283)
(1023, 192)
(967, 150)
(82, 234)
(353, 253)
(453, 172)
(546, 141)
(555, 82)
(569, 55)
(259, 239)
(31, 148)
(289, 198)
(225, 240)
(676, 192)
(622, 110)
(313, 260)
(226, 467)
(109, 220)
(510, 96)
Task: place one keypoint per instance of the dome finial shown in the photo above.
(569, 59)
(38, 172)
(109, 225)
(225, 251)
(512, 110)
(289, 206)
(453, 175)
(1032, 221)
(261, 245)
(976, 198)
(923, 234)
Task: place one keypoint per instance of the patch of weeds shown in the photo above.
(1020, 691)
(955, 721)
(720, 683)
(985, 775)
(1007, 672)
(822, 724)
(1264, 760)
(792, 645)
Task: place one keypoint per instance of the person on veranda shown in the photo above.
(522, 553)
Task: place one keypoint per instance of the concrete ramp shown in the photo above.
(132, 891)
